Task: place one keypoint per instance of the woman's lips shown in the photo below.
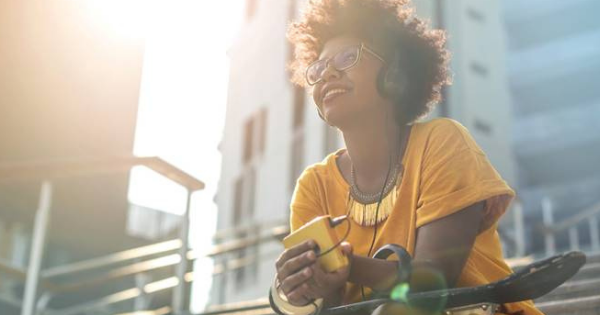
(333, 93)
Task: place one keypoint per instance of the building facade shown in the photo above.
(553, 70)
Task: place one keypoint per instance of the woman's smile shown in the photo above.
(333, 94)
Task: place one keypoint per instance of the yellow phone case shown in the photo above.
(321, 231)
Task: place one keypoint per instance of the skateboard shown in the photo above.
(528, 283)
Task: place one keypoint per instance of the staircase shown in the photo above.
(578, 296)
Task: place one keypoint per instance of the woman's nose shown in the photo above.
(330, 73)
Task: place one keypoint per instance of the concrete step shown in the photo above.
(575, 306)
(588, 271)
(592, 257)
(572, 289)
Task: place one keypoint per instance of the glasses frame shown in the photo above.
(328, 60)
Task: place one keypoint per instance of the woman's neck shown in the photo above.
(369, 150)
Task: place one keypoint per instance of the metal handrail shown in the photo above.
(21, 274)
(112, 259)
(61, 168)
(15, 271)
(238, 244)
(124, 295)
(572, 221)
(129, 270)
(235, 231)
(48, 170)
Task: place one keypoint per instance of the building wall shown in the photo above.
(553, 70)
(295, 137)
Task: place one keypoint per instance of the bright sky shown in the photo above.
(182, 102)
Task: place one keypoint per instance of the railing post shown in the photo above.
(548, 218)
(40, 227)
(519, 229)
(141, 302)
(179, 291)
(594, 237)
(574, 238)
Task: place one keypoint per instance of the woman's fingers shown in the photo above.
(292, 282)
(296, 263)
(300, 295)
(294, 251)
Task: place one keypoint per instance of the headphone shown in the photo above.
(391, 81)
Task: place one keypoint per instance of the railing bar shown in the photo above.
(225, 233)
(574, 238)
(178, 295)
(235, 245)
(583, 215)
(8, 267)
(519, 229)
(51, 169)
(137, 268)
(104, 301)
(36, 255)
(548, 223)
(594, 237)
(115, 298)
(111, 259)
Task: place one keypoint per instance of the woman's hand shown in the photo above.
(329, 285)
(302, 279)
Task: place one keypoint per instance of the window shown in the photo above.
(248, 140)
(238, 192)
(255, 133)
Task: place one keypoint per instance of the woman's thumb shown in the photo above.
(346, 248)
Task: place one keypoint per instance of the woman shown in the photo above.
(374, 69)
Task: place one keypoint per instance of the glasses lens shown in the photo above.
(346, 58)
(314, 71)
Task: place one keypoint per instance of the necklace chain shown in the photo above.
(369, 198)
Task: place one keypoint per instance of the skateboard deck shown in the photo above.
(528, 283)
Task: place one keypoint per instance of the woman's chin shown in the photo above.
(337, 118)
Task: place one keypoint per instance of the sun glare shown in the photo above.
(124, 18)
(181, 104)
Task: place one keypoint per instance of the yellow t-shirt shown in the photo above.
(444, 171)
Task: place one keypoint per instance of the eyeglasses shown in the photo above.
(341, 61)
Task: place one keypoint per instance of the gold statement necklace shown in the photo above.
(363, 207)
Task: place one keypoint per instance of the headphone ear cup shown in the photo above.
(380, 82)
(391, 81)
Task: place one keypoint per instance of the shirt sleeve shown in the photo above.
(456, 174)
(305, 204)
